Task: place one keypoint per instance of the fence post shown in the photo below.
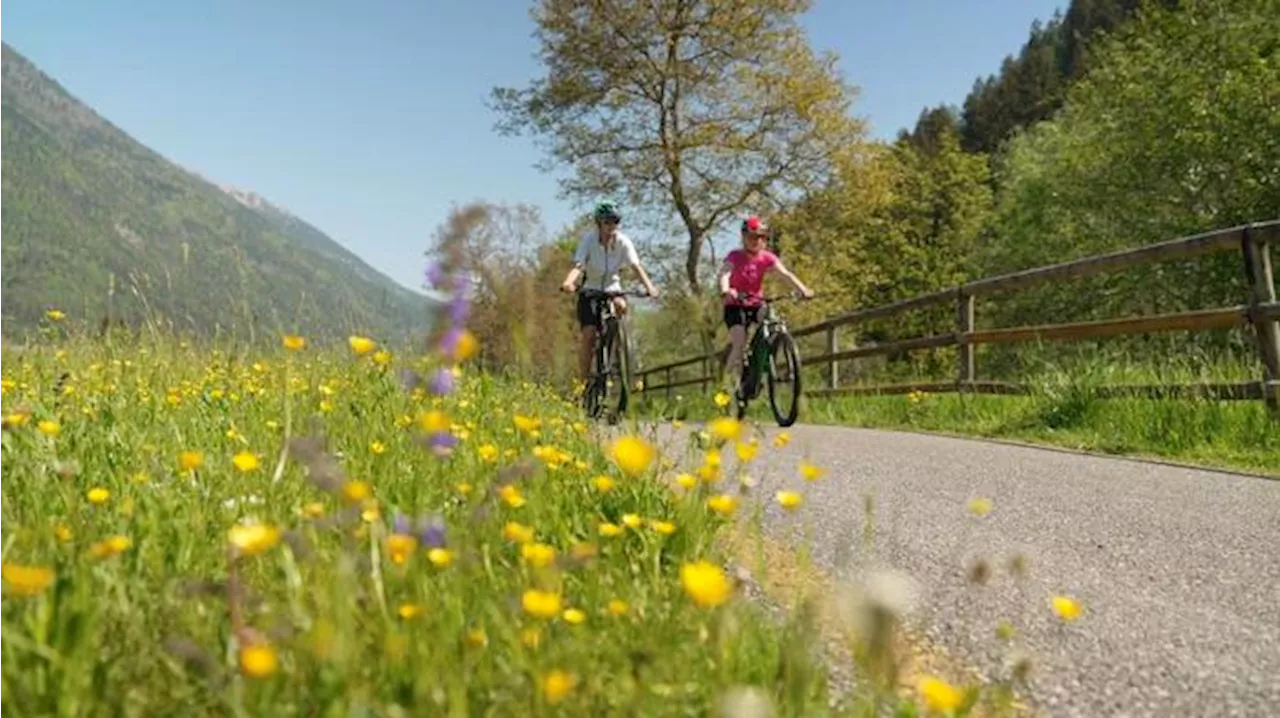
(965, 371)
(833, 367)
(1257, 264)
(668, 383)
(705, 374)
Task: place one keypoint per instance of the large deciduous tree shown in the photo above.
(696, 108)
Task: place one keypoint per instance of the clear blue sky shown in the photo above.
(367, 119)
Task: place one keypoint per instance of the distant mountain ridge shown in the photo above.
(99, 225)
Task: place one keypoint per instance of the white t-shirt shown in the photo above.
(600, 265)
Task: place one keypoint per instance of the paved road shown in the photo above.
(1178, 569)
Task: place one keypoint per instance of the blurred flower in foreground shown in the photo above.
(55, 315)
(541, 604)
(293, 342)
(253, 540)
(938, 695)
(979, 506)
(557, 684)
(361, 345)
(705, 583)
(789, 499)
(258, 660)
(26, 580)
(1068, 609)
(633, 455)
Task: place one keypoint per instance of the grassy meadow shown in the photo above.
(346, 531)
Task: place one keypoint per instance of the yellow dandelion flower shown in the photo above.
(517, 533)
(63, 533)
(313, 510)
(686, 481)
(631, 521)
(558, 684)
(541, 604)
(633, 455)
(782, 439)
(1066, 608)
(722, 399)
(705, 583)
(49, 428)
(382, 357)
(98, 495)
(407, 611)
(440, 557)
(245, 462)
(789, 499)
(724, 504)
(466, 347)
(55, 315)
(488, 453)
(609, 530)
(979, 506)
(526, 424)
(810, 472)
(377, 447)
(510, 494)
(113, 546)
(26, 580)
(253, 540)
(400, 547)
(583, 551)
(726, 428)
(538, 555)
(938, 695)
(190, 460)
(746, 450)
(434, 422)
(617, 607)
(293, 342)
(603, 483)
(666, 528)
(477, 637)
(354, 492)
(361, 345)
(573, 616)
(462, 488)
(258, 660)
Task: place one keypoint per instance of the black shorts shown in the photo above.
(735, 316)
(588, 310)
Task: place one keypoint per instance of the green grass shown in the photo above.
(157, 628)
(1063, 408)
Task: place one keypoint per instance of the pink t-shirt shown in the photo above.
(748, 274)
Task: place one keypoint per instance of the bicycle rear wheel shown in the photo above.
(618, 386)
(784, 380)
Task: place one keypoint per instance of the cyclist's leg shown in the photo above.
(735, 318)
(587, 336)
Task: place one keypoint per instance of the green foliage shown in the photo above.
(100, 226)
(1173, 132)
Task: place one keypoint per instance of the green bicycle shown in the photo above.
(771, 355)
(610, 381)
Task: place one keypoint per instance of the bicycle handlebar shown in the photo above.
(612, 294)
(793, 296)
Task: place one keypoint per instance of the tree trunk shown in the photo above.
(691, 261)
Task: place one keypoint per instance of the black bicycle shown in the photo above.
(609, 384)
(771, 355)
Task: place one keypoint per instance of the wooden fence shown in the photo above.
(1262, 311)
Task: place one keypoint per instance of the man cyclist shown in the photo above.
(601, 254)
(741, 274)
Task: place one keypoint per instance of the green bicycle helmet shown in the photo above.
(607, 211)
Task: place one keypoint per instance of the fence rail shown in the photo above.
(1261, 310)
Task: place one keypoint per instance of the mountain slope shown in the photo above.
(96, 224)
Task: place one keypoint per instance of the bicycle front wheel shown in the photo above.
(784, 380)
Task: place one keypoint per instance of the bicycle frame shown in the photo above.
(755, 358)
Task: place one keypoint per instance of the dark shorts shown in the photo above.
(736, 316)
(588, 310)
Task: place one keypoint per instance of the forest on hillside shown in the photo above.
(1117, 124)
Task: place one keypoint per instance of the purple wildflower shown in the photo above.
(432, 533)
(401, 524)
(442, 382)
(449, 342)
(443, 440)
(459, 309)
(435, 274)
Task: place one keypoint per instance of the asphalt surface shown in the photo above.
(1178, 570)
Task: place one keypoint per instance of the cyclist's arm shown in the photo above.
(792, 278)
(579, 261)
(726, 270)
(633, 258)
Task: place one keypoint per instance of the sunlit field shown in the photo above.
(335, 531)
